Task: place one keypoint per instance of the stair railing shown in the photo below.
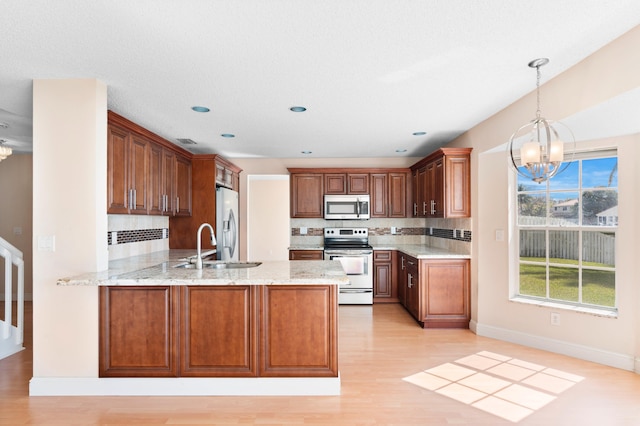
(11, 337)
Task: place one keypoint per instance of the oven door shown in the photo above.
(357, 264)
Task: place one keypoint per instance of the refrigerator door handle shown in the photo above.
(234, 234)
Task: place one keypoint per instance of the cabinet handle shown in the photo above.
(402, 263)
(135, 198)
(130, 200)
(433, 206)
(177, 204)
(410, 283)
(424, 208)
(415, 209)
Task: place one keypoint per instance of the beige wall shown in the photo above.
(69, 202)
(604, 75)
(16, 185)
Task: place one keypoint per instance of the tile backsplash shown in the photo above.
(442, 233)
(132, 235)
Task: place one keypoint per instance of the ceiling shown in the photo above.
(370, 72)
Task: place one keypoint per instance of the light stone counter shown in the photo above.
(420, 251)
(159, 269)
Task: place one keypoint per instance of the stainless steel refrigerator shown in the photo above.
(227, 224)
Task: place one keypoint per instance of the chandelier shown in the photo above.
(5, 151)
(537, 148)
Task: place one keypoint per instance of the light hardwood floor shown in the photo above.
(378, 347)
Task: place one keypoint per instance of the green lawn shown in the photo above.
(598, 287)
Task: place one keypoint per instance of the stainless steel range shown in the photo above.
(351, 247)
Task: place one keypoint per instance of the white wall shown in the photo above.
(606, 74)
(69, 203)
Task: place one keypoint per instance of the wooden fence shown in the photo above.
(597, 246)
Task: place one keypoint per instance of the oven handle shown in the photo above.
(354, 290)
(348, 252)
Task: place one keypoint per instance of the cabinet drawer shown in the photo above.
(381, 255)
(306, 255)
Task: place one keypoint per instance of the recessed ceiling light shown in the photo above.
(419, 133)
(200, 109)
(298, 109)
(401, 150)
(228, 135)
(306, 152)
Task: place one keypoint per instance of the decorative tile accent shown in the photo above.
(497, 384)
(461, 235)
(135, 236)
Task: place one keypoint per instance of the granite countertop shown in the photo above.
(418, 251)
(159, 269)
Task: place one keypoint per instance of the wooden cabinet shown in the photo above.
(219, 331)
(445, 293)
(298, 331)
(385, 289)
(436, 292)
(389, 194)
(145, 173)
(335, 183)
(386, 187)
(307, 195)
(128, 176)
(196, 183)
(227, 174)
(442, 184)
(306, 255)
(182, 186)
(138, 331)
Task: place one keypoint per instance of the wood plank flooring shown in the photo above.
(378, 347)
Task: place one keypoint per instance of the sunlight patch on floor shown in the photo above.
(500, 385)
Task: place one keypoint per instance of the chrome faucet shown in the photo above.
(199, 245)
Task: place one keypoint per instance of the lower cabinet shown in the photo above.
(436, 292)
(219, 331)
(385, 289)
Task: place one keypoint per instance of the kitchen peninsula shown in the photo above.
(170, 330)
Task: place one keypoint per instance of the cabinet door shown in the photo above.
(183, 186)
(412, 295)
(384, 279)
(401, 267)
(458, 191)
(218, 331)
(307, 195)
(117, 171)
(138, 331)
(397, 194)
(358, 183)
(168, 182)
(298, 331)
(139, 174)
(379, 195)
(422, 192)
(335, 183)
(306, 255)
(445, 293)
(437, 189)
(156, 187)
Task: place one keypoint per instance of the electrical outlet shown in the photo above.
(555, 318)
(303, 230)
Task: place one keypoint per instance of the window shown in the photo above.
(566, 230)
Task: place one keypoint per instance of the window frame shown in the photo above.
(580, 228)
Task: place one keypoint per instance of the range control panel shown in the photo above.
(346, 232)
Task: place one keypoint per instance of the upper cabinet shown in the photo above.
(441, 184)
(227, 174)
(145, 173)
(386, 187)
(306, 194)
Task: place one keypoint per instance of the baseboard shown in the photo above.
(278, 386)
(612, 359)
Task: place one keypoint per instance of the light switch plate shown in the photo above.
(47, 243)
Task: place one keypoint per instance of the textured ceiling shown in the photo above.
(370, 73)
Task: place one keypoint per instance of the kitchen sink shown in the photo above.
(220, 265)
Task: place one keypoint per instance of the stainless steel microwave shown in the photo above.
(346, 207)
